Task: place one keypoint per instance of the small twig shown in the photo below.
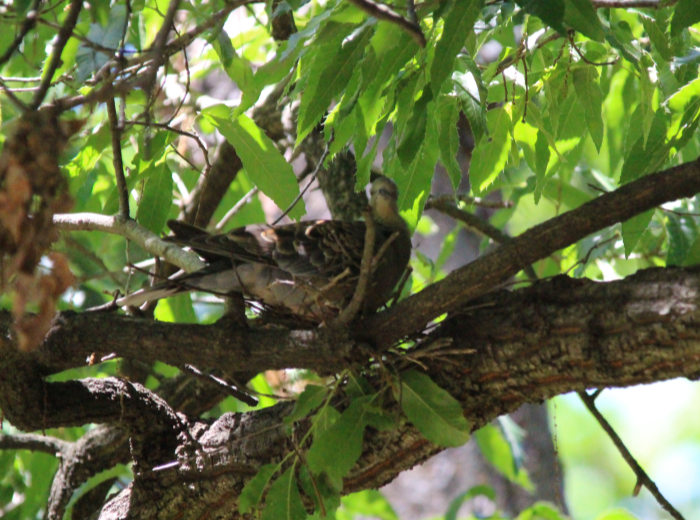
(472, 201)
(411, 12)
(300, 454)
(62, 38)
(236, 208)
(383, 12)
(586, 60)
(116, 132)
(17, 102)
(221, 384)
(402, 282)
(185, 133)
(132, 230)
(34, 442)
(479, 225)
(641, 475)
(313, 178)
(349, 313)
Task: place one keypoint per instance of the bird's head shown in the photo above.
(384, 202)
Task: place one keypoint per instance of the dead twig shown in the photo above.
(642, 477)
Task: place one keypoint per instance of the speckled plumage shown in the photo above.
(309, 269)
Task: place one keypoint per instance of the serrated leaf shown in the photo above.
(237, 68)
(253, 490)
(657, 37)
(283, 501)
(330, 72)
(157, 199)
(550, 12)
(591, 98)
(336, 450)
(447, 113)
(310, 399)
(686, 13)
(432, 410)
(633, 229)
(582, 17)
(490, 155)
(262, 161)
(414, 181)
(459, 22)
(641, 160)
(413, 136)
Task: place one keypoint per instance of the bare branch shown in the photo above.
(349, 312)
(642, 477)
(33, 442)
(133, 231)
(384, 12)
(116, 133)
(494, 268)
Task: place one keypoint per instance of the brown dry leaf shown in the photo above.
(32, 190)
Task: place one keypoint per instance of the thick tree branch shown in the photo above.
(494, 268)
(531, 344)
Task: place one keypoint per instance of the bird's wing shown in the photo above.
(323, 248)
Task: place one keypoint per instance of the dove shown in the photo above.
(308, 269)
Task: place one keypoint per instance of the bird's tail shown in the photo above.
(157, 292)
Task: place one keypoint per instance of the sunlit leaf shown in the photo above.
(432, 410)
(262, 160)
(157, 199)
(283, 501)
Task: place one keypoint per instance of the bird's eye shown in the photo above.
(385, 192)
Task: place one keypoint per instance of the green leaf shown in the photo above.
(414, 181)
(641, 160)
(490, 155)
(693, 255)
(336, 450)
(476, 491)
(504, 453)
(176, 309)
(310, 399)
(582, 16)
(330, 72)
(459, 22)
(90, 60)
(413, 136)
(368, 503)
(687, 13)
(657, 37)
(633, 229)
(283, 501)
(261, 159)
(591, 98)
(432, 410)
(682, 232)
(550, 12)
(542, 156)
(447, 113)
(253, 490)
(541, 511)
(237, 68)
(157, 199)
(616, 514)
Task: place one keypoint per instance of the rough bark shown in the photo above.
(505, 349)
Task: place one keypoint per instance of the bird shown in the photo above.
(308, 269)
